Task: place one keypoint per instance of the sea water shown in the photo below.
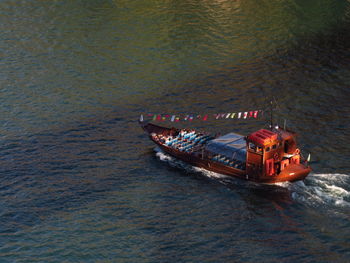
(80, 181)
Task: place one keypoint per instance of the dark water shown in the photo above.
(79, 180)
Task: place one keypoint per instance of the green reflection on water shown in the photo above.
(76, 59)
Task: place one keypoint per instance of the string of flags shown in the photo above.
(204, 117)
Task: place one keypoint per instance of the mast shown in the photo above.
(271, 119)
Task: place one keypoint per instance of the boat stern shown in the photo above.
(294, 172)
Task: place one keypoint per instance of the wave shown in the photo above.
(322, 189)
(315, 190)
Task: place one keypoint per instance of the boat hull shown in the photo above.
(292, 175)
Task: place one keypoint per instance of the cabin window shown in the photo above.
(268, 149)
(274, 146)
(255, 148)
(252, 146)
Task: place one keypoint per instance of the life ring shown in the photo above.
(297, 151)
(275, 156)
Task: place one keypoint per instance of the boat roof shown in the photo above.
(231, 145)
(263, 137)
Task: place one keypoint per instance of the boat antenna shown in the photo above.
(271, 116)
(273, 106)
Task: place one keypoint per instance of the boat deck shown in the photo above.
(195, 144)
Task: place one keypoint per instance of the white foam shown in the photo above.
(332, 178)
(336, 190)
(323, 189)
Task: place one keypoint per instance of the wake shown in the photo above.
(322, 189)
(315, 190)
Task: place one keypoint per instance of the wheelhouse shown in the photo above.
(270, 152)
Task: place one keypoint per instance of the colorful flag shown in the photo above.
(204, 117)
(165, 117)
(188, 118)
(220, 116)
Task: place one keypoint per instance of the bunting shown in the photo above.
(217, 116)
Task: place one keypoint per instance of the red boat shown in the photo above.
(264, 156)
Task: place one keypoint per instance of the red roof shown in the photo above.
(263, 137)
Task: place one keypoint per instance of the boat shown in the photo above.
(265, 156)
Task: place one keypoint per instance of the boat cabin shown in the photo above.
(270, 152)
